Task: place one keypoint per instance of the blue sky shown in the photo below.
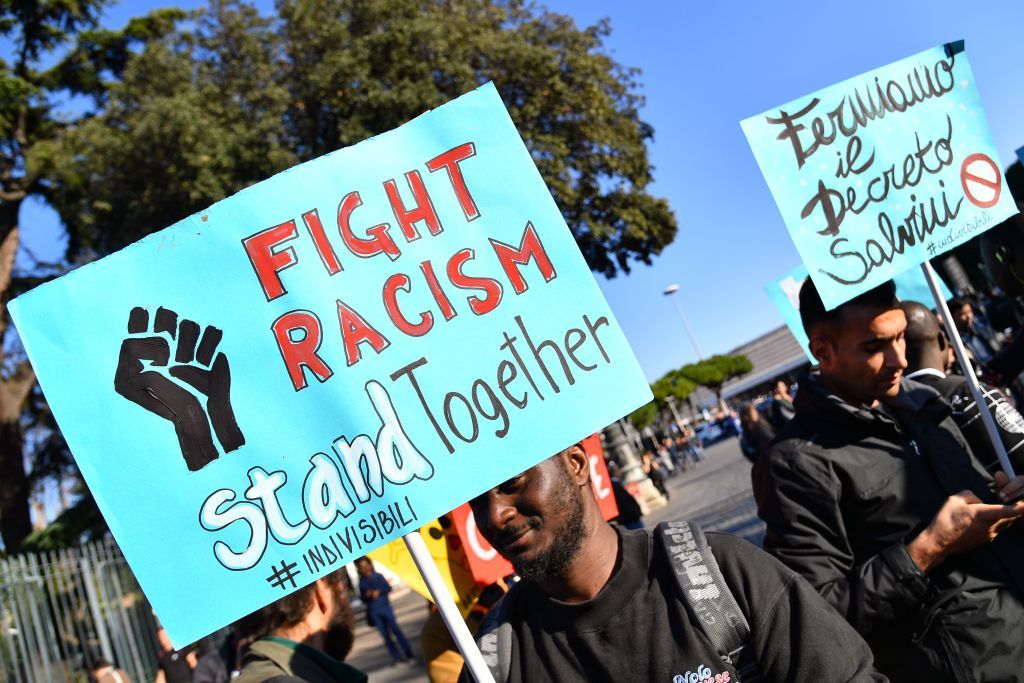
(705, 67)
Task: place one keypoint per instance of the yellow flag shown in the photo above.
(446, 550)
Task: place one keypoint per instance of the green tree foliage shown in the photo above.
(81, 521)
(53, 50)
(184, 109)
(715, 371)
(211, 108)
(644, 415)
(28, 128)
(193, 117)
(386, 61)
(673, 385)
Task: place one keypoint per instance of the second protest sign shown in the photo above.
(878, 173)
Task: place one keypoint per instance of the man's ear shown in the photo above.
(579, 464)
(822, 349)
(322, 596)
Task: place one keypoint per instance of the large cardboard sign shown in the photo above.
(881, 172)
(785, 295)
(323, 362)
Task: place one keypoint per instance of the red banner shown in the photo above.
(484, 561)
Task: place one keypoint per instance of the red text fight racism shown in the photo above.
(456, 287)
(357, 468)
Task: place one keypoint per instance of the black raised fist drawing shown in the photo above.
(196, 363)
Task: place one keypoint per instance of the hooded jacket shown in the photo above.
(842, 491)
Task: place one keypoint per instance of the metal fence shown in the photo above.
(61, 611)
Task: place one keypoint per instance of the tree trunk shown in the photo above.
(15, 518)
(15, 485)
(721, 404)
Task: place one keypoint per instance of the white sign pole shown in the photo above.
(446, 606)
(972, 380)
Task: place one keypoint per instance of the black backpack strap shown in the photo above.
(494, 638)
(707, 597)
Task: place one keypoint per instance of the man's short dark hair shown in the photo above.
(813, 313)
(923, 333)
(100, 663)
(922, 325)
(284, 613)
(958, 302)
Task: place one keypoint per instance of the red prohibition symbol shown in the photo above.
(981, 180)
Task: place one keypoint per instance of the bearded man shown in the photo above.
(601, 603)
(302, 638)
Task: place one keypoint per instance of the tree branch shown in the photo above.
(14, 392)
(8, 250)
(12, 195)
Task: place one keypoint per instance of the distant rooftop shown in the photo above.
(772, 354)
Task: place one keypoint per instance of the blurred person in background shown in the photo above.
(665, 458)
(631, 515)
(928, 363)
(976, 336)
(781, 410)
(444, 661)
(220, 664)
(174, 666)
(373, 591)
(1002, 251)
(104, 672)
(675, 456)
(756, 434)
(654, 472)
(302, 638)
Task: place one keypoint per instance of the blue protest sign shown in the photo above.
(785, 295)
(911, 285)
(881, 172)
(327, 360)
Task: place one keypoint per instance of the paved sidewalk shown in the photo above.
(716, 494)
(371, 656)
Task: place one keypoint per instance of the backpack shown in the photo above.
(707, 597)
(701, 585)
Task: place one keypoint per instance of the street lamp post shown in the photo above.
(618, 447)
(669, 291)
(675, 413)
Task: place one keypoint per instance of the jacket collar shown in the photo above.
(305, 662)
(916, 402)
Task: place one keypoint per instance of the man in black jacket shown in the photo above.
(872, 494)
(602, 603)
(927, 351)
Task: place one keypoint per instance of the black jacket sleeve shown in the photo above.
(798, 497)
(211, 669)
(795, 635)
